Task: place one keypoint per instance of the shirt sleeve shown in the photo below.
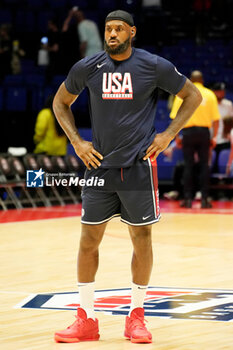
(175, 107)
(76, 79)
(215, 111)
(168, 77)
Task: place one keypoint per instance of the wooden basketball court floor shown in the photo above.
(192, 249)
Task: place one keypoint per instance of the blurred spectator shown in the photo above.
(219, 11)
(225, 107)
(176, 192)
(69, 42)
(177, 178)
(49, 137)
(196, 140)
(49, 53)
(90, 41)
(202, 11)
(228, 130)
(53, 48)
(88, 32)
(17, 53)
(151, 22)
(5, 50)
(151, 3)
(43, 55)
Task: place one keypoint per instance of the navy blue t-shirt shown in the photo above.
(123, 96)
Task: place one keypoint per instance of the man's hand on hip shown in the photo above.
(159, 144)
(85, 151)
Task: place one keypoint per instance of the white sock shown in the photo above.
(138, 294)
(87, 292)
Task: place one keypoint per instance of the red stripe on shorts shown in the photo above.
(155, 184)
(122, 177)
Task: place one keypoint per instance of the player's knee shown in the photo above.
(89, 241)
(141, 233)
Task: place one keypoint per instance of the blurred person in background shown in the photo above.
(228, 131)
(225, 107)
(49, 53)
(49, 137)
(17, 53)
(69, 43)
(53, 47)
(88, 32)
(197, 141)
(5, 50)
(177, 178)
(177, 185)
(202, 10)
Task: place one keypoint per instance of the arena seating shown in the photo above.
(8, 185)
(16, 99)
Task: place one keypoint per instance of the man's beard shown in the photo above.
(117, 50)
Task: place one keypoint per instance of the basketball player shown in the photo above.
(122, 83)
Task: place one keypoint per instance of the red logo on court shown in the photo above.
(112, 302)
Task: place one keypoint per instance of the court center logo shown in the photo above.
(35, 178)
(173, 303)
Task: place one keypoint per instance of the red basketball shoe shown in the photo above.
(83, 329)
(135, 328)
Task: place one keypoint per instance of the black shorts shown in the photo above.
(131, 193)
